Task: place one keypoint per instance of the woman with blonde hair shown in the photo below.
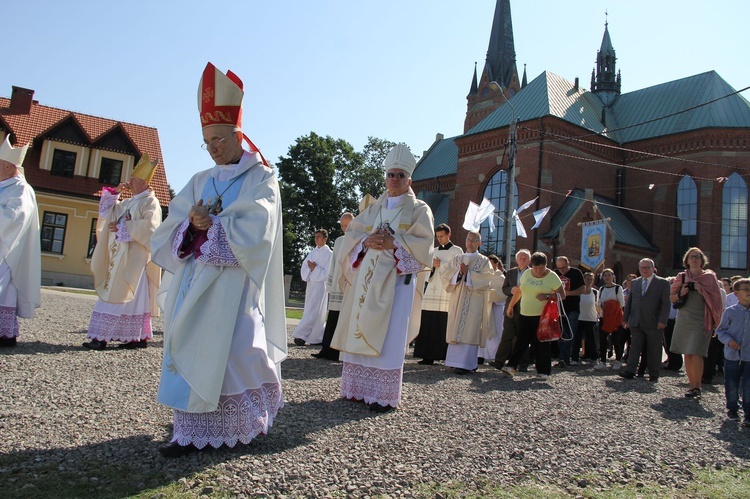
(700, 313)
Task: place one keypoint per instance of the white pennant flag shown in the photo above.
(539, 216)
(476, 214)
(520, 230)
(526, 205)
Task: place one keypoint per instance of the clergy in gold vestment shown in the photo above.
(384, 250)
(467, 279)
(124, 277)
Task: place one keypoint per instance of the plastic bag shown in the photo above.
(550, 327)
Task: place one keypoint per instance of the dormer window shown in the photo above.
(110, 172)
(63, 163)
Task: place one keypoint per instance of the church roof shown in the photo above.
(625, 228)
(441, 159)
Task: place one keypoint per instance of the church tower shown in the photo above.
(605, 80)
(500, 66)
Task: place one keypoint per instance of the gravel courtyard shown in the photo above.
(87, 424)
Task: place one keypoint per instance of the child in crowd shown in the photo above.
(734, 333)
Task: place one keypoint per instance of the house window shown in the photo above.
(63, 163)
(53, 232)
(734, 223)
(686, 230)
(110, 171)
(494, 242)
(92, 239)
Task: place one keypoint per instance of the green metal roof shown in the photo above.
(668, 98)
(626, 228)
(440, 160)
(438, 203)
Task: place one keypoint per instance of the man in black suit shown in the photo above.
(646, 315)
(511, 324)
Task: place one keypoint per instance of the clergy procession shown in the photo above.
(392, 282)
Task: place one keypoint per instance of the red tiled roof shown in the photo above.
(41, 119)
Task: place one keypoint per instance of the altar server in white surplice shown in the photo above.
(497, 303)
(125, 278)
(225, 331)
(386, 253)
(467, 279)
(20, 253)
(314, 272)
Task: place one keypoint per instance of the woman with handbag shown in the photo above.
(696, 293)
(534, 290)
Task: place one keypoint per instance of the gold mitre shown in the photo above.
(145, 169)
(366, 201)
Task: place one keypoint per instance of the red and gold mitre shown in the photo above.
(220, 98)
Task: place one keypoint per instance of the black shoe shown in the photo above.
(426, 362)
(133, 344)
(733, 415)
(319, 355)
(626, 375)
(176, 450)
(480, 360)
(523, 369)
(561, 364)
(653, 379)
(461, 372)
(95, 345)
(299, 342)
(693, 393)
(707, 381)
(497, 365)
(375, 407)
(7, 342)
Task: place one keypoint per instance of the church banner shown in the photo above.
(593, 242)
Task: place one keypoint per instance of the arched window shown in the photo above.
(686, 230)
(734, 223)
(495, 191)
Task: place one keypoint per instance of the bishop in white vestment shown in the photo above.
(225, 331)
(314, 272)
(125, 278)
(385, 248)
(20, 252)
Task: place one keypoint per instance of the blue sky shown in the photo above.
(398, 70)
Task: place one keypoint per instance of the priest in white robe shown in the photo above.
(385, 248)
(314, 272)
(467, 279)
(430, 344)
(20, 252)
(497, 303)
(335, 287)
(125, 278)
(225, 332)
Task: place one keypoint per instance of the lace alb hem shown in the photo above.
(371, 384)
(354, 253)
(216, 250)
(8, 322)
(125, 328)
(239, 418)
(406, 263)
(179, 238)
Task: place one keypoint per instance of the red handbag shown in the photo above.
(550, 327)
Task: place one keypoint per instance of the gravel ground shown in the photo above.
(89, 416)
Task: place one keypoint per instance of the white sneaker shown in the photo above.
(543, 377)
(600, 366)
(508, 370)
(616, 365)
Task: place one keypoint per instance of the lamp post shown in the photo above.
(495, 87)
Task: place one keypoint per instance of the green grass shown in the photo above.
(293, 313)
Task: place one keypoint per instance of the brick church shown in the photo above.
(664, 167)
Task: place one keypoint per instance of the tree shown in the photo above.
(371, 178)
(318, 181)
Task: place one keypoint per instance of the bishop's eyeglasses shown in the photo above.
(214, 142)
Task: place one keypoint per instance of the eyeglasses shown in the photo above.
(395, 175)
(695, 256)
(215, 142)
(744, 289)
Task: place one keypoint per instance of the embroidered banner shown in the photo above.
(593, 242)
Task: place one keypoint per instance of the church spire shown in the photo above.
(501, 52)
(605, 80)
(524, 80)
(474, 87)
